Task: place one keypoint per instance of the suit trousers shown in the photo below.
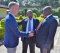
(11, 50)
(25, 44)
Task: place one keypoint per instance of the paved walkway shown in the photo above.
(55, 50)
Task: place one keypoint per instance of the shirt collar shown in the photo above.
(31, 19)
(12, 14)
(49, 15)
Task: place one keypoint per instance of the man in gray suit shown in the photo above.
(46, 31)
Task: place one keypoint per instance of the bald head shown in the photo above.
(47, 10)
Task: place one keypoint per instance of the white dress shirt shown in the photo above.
(43, 22)
(46, 18)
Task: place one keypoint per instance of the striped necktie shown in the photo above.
(29, 26)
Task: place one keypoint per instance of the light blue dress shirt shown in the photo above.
(31, 21)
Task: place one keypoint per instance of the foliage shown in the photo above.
(1, 29)
(55, 11)
(20, 17)
(35, 10)
(23, 12)
(41, 17)
(34, 15)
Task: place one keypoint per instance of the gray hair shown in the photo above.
(12, 3)
(48, 8)
(29, 10)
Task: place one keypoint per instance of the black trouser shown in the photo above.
(25, 44)
(41, 51)
(48, 50)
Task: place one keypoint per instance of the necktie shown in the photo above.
(29, 26)
(39, 26)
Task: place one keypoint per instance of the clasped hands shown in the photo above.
(31, 34)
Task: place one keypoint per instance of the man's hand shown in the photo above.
(31, 34)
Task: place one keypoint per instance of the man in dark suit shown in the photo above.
(29, 24)
(11, 33)
(46, 31)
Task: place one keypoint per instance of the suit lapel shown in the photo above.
(26, 20)
(33, 23)
(13, 18)
(48, 20)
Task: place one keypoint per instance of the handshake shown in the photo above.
(31, 34)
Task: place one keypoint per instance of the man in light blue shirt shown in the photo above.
(28, 24)
(31, 23)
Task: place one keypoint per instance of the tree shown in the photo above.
(14, 0)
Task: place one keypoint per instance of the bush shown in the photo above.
(56, 12)
(41, 17)
(35, 10)
(2, 23)
(1, 28)
(20, 17)
(23, 12)
(20, 27)
(34, 15)
(59, 12)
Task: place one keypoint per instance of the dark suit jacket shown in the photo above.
(24, 25)
(45, 34)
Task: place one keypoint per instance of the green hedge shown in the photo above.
(1, 32)
(55, 11)
(1, 28)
